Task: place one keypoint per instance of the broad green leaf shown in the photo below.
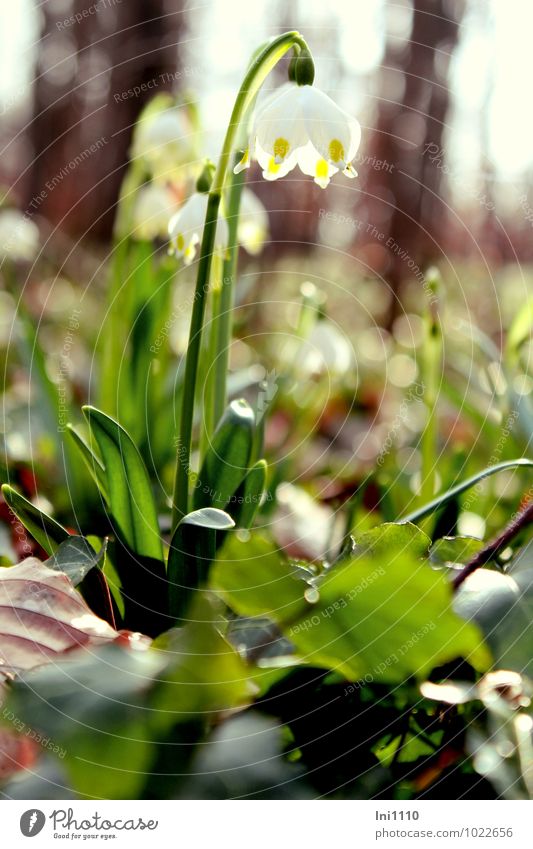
(130, 496)
(81, 562)
(255, 579)
(246, 501)
(393, 537)
(384, 618)
(75, 557)
(90, 459)
(48, 533)
(454, 550)
(192, 550)
(226, 460)
(443, 499)
(205, 673)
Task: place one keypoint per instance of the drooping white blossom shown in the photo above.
(186, 227)
(300, 125)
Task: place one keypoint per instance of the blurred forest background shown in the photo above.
(437, 85)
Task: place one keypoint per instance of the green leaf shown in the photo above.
(384, 619)
(75, 557)
(205, 671)
(192, 550)
(90, 459)
(246, 501)
(255, 579)
(393, 537)
(45, 530)
(447, 496)
(130, 495)
(92, 707)
(227, 458)
(454, 550)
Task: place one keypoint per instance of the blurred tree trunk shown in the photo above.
(405, 199)
(83, 111)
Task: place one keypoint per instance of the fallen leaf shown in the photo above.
(42, 616)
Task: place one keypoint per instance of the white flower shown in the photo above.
(19, 236)
(302, 526)
(154, 207)
(325, 351)
(165, 143)
(301, 125)
(252, 229)
(186, 227)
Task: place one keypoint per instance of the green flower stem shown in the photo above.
(224, 320)
(209, 419)
(432, 363)
(255, 76)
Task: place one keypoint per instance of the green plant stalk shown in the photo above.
(431, 372)
(266, 60)
(209, 419)
(224, 320)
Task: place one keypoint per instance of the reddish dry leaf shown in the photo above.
(42, 616)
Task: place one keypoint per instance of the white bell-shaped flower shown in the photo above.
(154, 207)
(301, 125)
(186, 227)
(252, 230)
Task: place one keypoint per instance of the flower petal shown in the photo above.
(186, 227)
(279, 128)
(334, 134)
(271, 169)
(313, 164)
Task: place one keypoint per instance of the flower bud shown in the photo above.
(304, 68)
(203, 183)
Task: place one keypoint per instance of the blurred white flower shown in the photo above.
(300, 125)
(186, 227)
(165, 142)
(154, 207)
(301, 526)
(19, 236)
(253, 224)
(325, 351)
